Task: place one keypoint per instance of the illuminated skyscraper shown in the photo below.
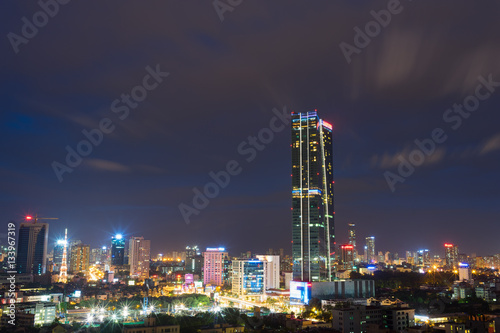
(117, 250)
(451, 255)
(313, 232)
(80, 258)
(352, 239)
(347, 256)
(139, 255)
(370, 249)
(32, 248)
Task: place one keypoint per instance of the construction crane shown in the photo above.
(36, 218)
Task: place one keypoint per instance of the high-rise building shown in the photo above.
(32, 248)
(248, 278)
(58, 255)
(352, 239)
(80, 258)
(139, 256)
(272, 277)
(451, 255)
(117, 250)
(370, 249)
(313, 232)
(347, 256)
(215, 266)
(194, 260)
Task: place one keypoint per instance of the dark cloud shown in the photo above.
(225, 79)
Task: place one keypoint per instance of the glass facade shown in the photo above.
(313, 231)
(32, 248)
(118, 251)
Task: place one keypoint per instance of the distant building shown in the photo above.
(347, 256)
(370, 250)
(194, 260)
(451, 255)
(80, 258)
(32, 248)
(215, 266)
(139, 257)
(118, 250)
(464, 272)
(352, 239)
(248, 278)
(272, 270)
(58, 255)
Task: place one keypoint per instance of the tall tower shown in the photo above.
(32, 248)
(370, 249)
(352, 239)
(139, 256)
(63, 274)
(117, 250)
(313, 232)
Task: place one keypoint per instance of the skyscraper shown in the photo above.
(370, 249)
(352, 239)
(347, 256)
(80, 258)
(313, 232)
(451, 255)
(32, 248)
(139, 255)
(117, 250)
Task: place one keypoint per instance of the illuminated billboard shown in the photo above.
(188, 278)
(300, 292)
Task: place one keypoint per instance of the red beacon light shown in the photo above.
(29, 217)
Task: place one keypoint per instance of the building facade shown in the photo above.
(32, 248)
(272, 270)
(118, 250)
(370, 250)
(248, 278)
(313, 232)
(139, 257)
(215, 266)
(80, 258)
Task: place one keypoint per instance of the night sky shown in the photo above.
(225, 78)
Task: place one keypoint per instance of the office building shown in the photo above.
(194, 260)
(80, 258)
(313, 232)
(370, 250)
(57, 257)
(32, 248)
(139, 257)
(215, 266)
(346, 256)
(451, 255)
(248, 278)
(352, 239)
(117, 250)
(464, 273)
(272, 277)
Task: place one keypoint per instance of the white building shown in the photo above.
(272, 270)
(139, 257)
